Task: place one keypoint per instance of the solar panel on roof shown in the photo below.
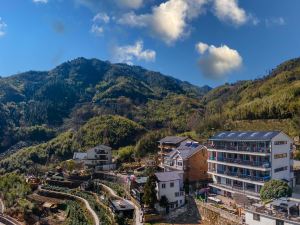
(229, 135)
(267, 134)
(253, 134)
(241, 134)
(221, 134)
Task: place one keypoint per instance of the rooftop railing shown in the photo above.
(264, 164)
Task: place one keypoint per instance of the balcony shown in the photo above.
(243, 176)
(264, 164)
(240, 148)
(236, 188)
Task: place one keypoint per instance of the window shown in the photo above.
(278, 156)
(179, 163)
(280, 142)
(256, 217)
(279, 222)
(280, 169)
(228, 181)
(176, 194)
(163, 186)
(172, 184)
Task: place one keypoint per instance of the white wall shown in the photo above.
(169, 192)
(263, 220)
(281, 162)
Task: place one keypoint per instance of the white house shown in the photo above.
(170, 185)
(242, 161)
(99, 158)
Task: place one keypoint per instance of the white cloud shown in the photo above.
(169, 20)
(40, 1)
(229, 11)
(99, 20)
(3, 26)
(280, 21)
(217, 62)
(101, 17)
(131, 4)
(129, 53)
(97, 30)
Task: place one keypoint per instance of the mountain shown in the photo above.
(36, 106)
(272, 102)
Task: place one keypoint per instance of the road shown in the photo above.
(137, 211)
(89, 208)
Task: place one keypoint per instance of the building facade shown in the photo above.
(189, 158)
(99, 158)
(167, 145)
(243, 161)
(170, 185)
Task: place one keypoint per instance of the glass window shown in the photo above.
(279, 222)
(171, 184)
(163, 185)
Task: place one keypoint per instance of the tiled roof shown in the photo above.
(167, 176)
(245, 135)
(172, 140)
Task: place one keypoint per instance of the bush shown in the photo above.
(275, 189)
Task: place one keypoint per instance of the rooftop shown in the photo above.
(172, 140)
(245, 135)
(122, 205)
(101, 147)
(188, 148)
(80, 155)
(168, 176)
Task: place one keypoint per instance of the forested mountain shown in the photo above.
(81, 103)
(36, 105)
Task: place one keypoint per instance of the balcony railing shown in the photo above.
(243, 176)
(240, 148)
(238, 188)
(264, 164)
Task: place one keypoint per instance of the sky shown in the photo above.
(204, 42)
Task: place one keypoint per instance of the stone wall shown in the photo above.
(216, 216)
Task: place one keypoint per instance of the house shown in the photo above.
(278, 212)
(242, 161)
(122, 208)
(167, 144)
(98, 158)
(190, 158)
(170, 185)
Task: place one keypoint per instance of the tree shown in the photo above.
(149, 197)
(164, 202)
(274, 189)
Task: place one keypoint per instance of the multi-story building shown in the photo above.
(189, 158)
(170, 185)
(167, 144)
(99, 158)
(242, 161)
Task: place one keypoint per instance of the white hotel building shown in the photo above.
(242, 161)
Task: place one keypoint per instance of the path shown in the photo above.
(137, 211)
(89, 208)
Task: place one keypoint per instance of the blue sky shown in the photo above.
(200, 41)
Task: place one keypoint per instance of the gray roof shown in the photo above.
(172, 140)
(141, 180)
(167, 176)
(80, 155)
(245, 135)
(122, 205)
(188, 148)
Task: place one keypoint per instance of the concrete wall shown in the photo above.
(169, 191)
(281, 162)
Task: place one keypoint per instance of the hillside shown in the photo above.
(86, 102)
(66, 97)
(272, 102)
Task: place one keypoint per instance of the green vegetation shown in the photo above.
(14, 190)
(118, 188)
(149, 197)
(275, 189)
(76, 215)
